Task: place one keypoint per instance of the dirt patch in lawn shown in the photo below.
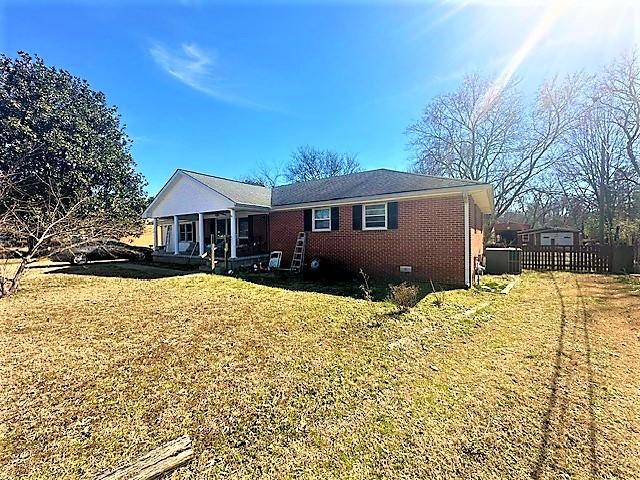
(273, 383)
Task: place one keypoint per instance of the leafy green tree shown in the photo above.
(67, 177)
(54, 129)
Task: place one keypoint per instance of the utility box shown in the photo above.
(503, 260)
(621, 259)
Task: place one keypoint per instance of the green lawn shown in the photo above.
(100, 364)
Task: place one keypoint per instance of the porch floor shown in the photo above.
(180, 259)
(205, 263)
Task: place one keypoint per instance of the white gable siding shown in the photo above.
(184, 195)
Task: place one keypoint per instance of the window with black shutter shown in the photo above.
(375, 216)
(321, 219)
(356, 215)
(392, 215)
(335, 218)
(308, 220)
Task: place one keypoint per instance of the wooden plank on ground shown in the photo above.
(507, 289)
(157, 462)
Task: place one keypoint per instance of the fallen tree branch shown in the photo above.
(157, 462)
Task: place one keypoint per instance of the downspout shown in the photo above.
(467, 242)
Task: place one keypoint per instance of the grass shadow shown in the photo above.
(590, 387)
(555, 381)
(559, 369)
(344, 287)
(121, 270)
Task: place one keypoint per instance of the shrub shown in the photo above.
(438, 296)
(367, 292)
(404, 295)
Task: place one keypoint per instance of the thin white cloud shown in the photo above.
(198, 69)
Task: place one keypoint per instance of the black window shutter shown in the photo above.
(335, 218)
(357, 217)
(392, 212)
(307, 220)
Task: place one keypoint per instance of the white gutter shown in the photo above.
(467, 242)
(468, 189)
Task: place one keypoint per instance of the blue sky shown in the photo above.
(222, 87)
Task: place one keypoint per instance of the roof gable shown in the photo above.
(189, 192)
(183, 195)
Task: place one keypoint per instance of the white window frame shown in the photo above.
(313, 220)
(525, 237)
(191, 232)
(386, 216)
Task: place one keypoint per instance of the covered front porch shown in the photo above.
(198, 216)
(230, 234)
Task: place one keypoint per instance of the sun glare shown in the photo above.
(555, 31)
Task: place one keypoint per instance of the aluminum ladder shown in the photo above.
(298, 253)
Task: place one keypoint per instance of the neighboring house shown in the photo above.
(507, 232)
(550, 236)
(389, 223)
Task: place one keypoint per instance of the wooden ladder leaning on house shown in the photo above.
(297, 262)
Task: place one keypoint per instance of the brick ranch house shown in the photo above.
(389, 223)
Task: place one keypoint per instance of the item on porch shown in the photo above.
(187, 248)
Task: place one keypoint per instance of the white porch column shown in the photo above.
(234, 232)
(176, 235)
(201, 233)
(155, 234)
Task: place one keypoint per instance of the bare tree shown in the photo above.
(620, 93)
(548, 202)
(35, 226)
(308, 163)
(595, 169)
(483, 133)
(266, 175)
(541, 203)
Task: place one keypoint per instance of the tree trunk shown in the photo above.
(10, 284)
(601, 222)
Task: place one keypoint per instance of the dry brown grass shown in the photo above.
(144, 240)
(272, 383)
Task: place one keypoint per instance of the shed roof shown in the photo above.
(549, 229)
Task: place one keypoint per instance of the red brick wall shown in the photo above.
(429, 238)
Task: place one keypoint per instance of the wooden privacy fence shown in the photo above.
(572, 258)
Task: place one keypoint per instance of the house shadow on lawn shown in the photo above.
(344, 287)
(116, 269)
